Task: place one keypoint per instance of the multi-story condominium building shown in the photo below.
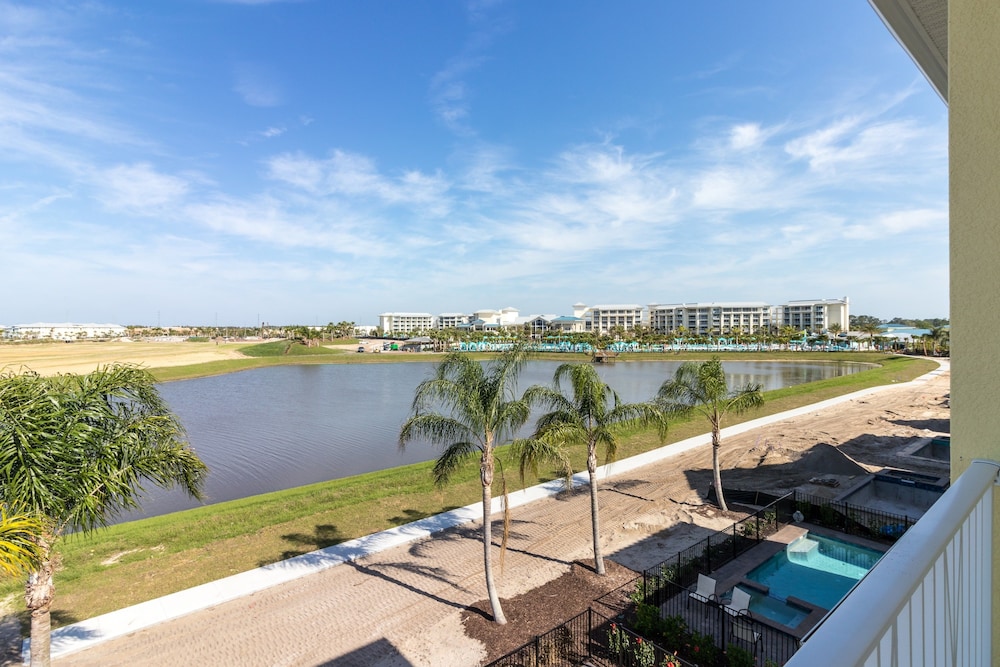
(720, 318)
(453, 320)
(814, 315)
(602, 319)
(400, 323)
(710, 318)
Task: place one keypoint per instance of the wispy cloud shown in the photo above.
(138, 188)
(258, 85)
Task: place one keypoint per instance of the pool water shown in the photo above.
(816, 569)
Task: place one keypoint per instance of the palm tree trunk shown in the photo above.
(594, 516)
(486, 476)
(38, 595)
(716, 471)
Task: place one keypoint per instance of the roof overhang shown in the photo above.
(921, 27)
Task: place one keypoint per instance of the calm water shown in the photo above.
(275, 428)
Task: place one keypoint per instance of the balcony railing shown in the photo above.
(928, 601)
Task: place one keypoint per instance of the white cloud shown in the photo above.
(139, 188)
(850, 141)
(746, 136)
(898, 222)
(352, 175)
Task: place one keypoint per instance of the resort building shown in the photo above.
(556, 324)
(402, 323)
(64, 331)
(818, 315)
(452, 320)
(602, 319)
(711, 318)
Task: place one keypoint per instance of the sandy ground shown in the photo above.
(83, 357)
(403, 606)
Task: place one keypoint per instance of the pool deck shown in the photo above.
(735, 572)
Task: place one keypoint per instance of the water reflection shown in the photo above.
(275, 428)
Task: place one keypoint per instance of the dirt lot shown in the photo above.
(83, 357)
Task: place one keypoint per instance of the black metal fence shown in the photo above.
(725, 546)
(593, 639)
(705, 632)
(852, 519)
(721, 548)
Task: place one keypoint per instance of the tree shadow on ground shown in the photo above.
(324, 536)
(437, 574)
(474, 532)
(411, 515)
(378, 652)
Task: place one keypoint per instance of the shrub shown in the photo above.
(739, 657)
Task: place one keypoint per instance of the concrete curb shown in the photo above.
(79, 636)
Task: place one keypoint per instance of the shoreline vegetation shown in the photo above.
(141, 560)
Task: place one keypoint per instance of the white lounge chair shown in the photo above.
(705, 592)
(740, 602)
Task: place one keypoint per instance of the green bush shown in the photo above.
(738, 656)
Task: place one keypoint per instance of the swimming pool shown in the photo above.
(819, 570)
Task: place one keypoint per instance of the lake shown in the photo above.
(276, 428)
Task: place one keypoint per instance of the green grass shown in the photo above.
(286, 348)
(141, 560)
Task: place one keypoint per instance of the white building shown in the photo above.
(453, 320)
(602, 319)
(402, 323)
(814, 315)
(65, 331)
(710, 318)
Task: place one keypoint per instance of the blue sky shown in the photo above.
(300, 162)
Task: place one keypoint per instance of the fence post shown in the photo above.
(590, 631)
(735, 546)
(708, 554)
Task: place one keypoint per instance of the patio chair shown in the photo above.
(705, 592)
(739, 603)
(741, 628)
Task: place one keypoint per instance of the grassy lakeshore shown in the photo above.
(142, 560)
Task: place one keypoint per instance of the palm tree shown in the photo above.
(939, 336)
(702, 387)
(76, 450)
(19, 538)
(872, 329)
(591, 414)
(478, 413)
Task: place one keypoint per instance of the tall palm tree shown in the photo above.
(19, 537)
(76, 450)
(470, 410)
(591, 414)
(701, 387)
